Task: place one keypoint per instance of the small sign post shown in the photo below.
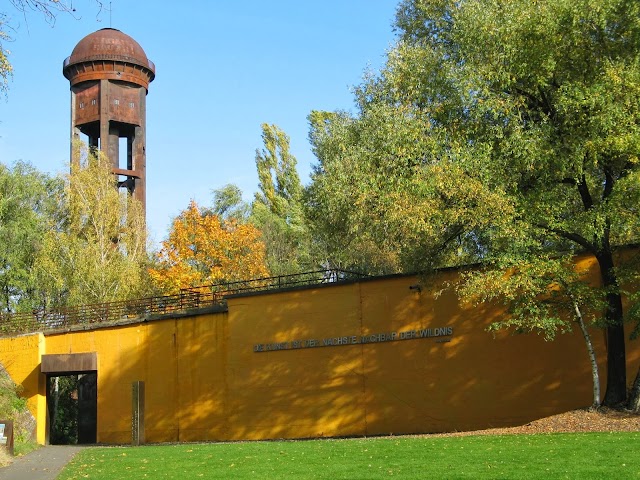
(137, 414)
(6, 435)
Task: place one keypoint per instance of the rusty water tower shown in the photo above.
(109, 75)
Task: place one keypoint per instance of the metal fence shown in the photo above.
(188, 299)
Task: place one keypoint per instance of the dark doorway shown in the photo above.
(72, 408)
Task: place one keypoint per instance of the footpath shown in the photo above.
(45, 463)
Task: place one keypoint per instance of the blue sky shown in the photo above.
(222, 69)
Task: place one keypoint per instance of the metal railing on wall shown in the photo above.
(195, 298)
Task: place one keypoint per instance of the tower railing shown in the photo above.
(187, 300)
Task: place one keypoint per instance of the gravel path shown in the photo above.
(42, 464)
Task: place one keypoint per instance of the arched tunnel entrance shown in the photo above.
(72, 398)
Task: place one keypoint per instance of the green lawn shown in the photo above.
(579, 456)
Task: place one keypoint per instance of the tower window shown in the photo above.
(93, 102)
(81, 104)
(116, 102)
(131, 104)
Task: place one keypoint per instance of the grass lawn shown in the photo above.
(581, 456)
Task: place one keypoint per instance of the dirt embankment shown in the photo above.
(582, 420)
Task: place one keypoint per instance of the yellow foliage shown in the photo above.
(203, 249)
(96, 251)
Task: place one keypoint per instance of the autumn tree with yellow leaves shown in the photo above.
(204, 249)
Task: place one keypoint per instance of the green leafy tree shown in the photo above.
(95, 250)
(229, 205)
(386, 197)
(342, 198)
(560, 89)
(277, 209)
(280, 186)
(507, 125)
(25, 207)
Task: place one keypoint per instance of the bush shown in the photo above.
(14, 407)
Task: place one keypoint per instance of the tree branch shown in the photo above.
(541, 103)
(574, 237)
(548, 105)
(609, 181)
(585, 195)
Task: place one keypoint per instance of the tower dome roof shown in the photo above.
(112, 46)
(109, 44)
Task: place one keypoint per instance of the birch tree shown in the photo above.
(95, 249)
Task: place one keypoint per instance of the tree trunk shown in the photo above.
(634, 395)
(592, 356)
(616, 392)
(56, 400)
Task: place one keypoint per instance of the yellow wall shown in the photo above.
(418, 385)
(205, 380)
(20, 356)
